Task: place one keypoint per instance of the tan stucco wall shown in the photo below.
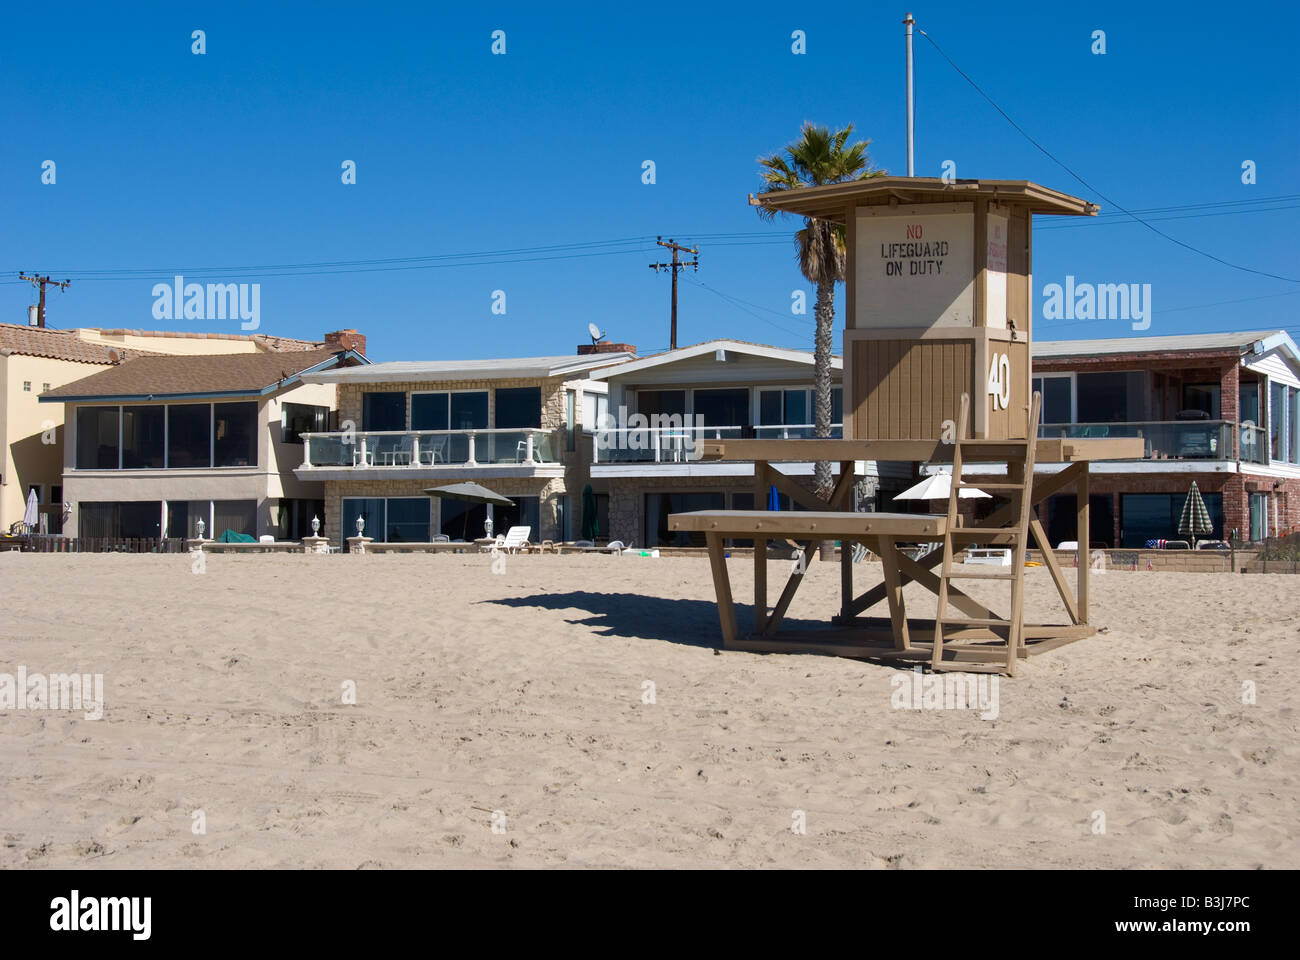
(23, 419)
(180, 345)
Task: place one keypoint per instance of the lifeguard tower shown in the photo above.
(938, 325)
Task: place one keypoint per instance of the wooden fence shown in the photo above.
(39, 544)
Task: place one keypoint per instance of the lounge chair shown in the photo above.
(616, 547)
(515, 540)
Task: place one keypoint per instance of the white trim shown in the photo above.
(1106, 467)
(455, 471)
(804, 357)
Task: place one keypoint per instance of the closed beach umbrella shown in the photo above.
(773, 498)
(31, 516)
(590, 523)
(938, 486)
(470, 493)
(1195, 519)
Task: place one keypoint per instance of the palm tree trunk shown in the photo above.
(824, 312)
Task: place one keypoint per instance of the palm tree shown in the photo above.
(819, 157)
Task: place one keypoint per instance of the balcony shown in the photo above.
(1173, 439)
(398, 450)
(678, 444)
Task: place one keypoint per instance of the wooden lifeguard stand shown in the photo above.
(937, 369)
(938, 299)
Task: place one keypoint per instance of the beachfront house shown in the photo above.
(158, 443)
(650, 468)
(1222, 409)
(36, 359)
(514, 426)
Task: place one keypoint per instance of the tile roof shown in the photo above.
(59, 345)
(168, 376)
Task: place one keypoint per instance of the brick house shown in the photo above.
(1222, 409)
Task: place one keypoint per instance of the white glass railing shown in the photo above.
(428, 448)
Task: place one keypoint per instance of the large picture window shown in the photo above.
(97, 438)
(142, 436)
(383, 411)
(189, 435)
(519, 408)
(133, 519)
(1154, 516)
(234, 434)
(429, 411)
(299, 418)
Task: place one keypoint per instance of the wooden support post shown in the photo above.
(894, 591)
(722, 587)
(1085, 554)
(846, 580)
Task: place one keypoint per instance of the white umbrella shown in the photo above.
(32, 516)
(938, 486)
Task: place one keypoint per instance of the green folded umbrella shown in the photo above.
(1195, 519)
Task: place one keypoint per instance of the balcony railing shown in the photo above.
(429, 448)
(1173, 439)
(679, 444)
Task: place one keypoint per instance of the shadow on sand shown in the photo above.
(636, 616)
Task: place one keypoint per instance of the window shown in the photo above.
(124, 519)
(183, 518)
(784, 407)
(1154, 516)
(407, 520)
(56, 493)
(1277, 420)
(469, 411)
(390, 520)
(142, 436)
(659, 505)
(27, 386)
(662, 402)
(519, 408)
(595, 408)
(522, 513)
(299, 418)
(234, 434)
(189, 435)
(1204, 397)
(1110, 397)
(1057, 399)
(723, 408)
(45, 388)
(1293, 418)
(239, 516)
(429, 411)
(97, 438)
(383, 411)
(570, 419)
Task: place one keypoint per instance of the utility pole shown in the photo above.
(908, 23)
(38, 281)
(675, 266)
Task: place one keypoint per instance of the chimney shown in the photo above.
(587, 349)
(346, 340)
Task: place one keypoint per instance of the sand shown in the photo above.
(522, 692)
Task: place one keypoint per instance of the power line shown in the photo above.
(1047, 153)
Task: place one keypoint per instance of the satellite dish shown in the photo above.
(596, 334)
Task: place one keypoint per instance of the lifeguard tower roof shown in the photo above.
(831, 202)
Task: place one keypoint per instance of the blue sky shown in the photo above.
(216, 163)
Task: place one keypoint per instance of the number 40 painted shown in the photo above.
(1000, 380)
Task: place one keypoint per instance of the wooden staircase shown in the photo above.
(967, 637)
